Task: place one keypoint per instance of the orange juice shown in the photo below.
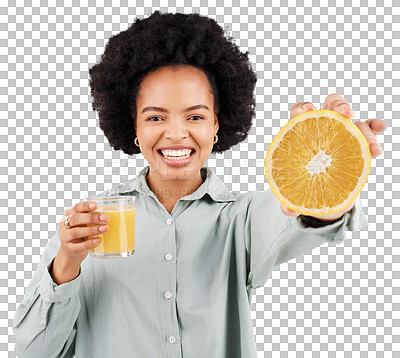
(120, 236)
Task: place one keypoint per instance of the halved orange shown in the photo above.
(318, 163)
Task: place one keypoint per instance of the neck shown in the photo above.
(168, 192)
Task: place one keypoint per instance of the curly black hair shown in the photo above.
(171, 40)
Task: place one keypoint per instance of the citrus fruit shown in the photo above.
(318, 163)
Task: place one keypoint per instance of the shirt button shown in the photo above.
(169, 221)
(168, 257)
(168, 295)
(172, 339)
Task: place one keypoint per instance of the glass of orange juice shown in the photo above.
(119, 240)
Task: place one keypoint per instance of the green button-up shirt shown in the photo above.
(186, 291)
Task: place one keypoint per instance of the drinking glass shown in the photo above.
(119, 240)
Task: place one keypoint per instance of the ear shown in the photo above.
(216, 123)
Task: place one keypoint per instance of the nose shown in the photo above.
(176, 130)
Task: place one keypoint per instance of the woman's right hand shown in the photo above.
(74, 238)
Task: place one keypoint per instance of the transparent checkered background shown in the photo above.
(338, 301)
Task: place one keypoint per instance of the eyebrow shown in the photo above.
(159, 109)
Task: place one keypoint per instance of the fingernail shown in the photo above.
(103, 228)
(104, 217)
(92, 206)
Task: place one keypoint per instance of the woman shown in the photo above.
(174, 88)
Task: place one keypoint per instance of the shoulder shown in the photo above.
(125, 188)
(254, 201)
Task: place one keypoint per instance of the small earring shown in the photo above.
(136, 141)
(216, 139)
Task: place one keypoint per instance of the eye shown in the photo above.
(150, 119)
(196, 118)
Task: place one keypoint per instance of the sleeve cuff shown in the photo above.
(354, 220)
(52, 292)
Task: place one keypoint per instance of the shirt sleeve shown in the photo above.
(273, 238)
(45, 321)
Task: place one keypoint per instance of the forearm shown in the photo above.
(63, 270)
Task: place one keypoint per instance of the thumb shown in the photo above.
(289, 212)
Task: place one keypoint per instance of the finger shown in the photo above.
(300, 108)
(75, 234)
(79, 219)
(372, 141)
(63, 220)
(84, 245)
(83, 206)
(377, 125)
(336, 102)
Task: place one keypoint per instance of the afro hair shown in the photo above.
(171, 40)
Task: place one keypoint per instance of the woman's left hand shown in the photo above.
(370, 128)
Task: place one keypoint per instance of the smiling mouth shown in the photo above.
(177, 157)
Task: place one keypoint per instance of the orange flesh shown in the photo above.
(335, 180)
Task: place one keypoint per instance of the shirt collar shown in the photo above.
(212, 185)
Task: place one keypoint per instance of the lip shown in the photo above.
(176, 147)
(177, 163)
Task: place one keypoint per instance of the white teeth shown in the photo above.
(177, 158)
(176, 153)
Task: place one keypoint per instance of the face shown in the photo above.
(176, 122)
